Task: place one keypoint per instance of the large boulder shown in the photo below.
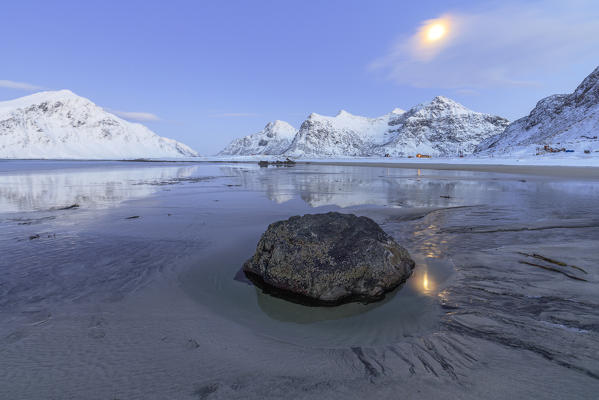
(328, 259)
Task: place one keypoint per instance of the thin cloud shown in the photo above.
(467, 91)
(235, 115)
(509, 45)
(136, 116)
(19, 85)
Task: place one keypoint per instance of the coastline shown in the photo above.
(556, 166)
(562, 167)
(561, 171)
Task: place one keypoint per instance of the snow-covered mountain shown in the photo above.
(342, 135)
(60, 124)
(274, 139)
(441, 127)
(561, 121)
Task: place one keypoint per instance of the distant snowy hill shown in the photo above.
(568, 121)
(439, 128)
(274, 139)
(60, 124)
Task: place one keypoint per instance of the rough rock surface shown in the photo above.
(328, 259)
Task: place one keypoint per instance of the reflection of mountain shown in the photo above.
(90, 186)
(354, 186)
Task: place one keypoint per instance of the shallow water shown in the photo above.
(148, 255)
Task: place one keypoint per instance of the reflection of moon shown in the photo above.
(428, 275)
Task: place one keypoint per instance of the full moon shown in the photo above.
(435, 32)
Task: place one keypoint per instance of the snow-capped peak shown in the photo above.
(588, 90)
(60, 124)
(63, 95)
(275, 138)
(343, 113)
(438, 106)
(443, 100)
(281, 129)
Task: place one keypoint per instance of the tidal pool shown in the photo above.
(121, 280)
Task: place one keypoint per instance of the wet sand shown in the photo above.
(558, 171)
(502, 304)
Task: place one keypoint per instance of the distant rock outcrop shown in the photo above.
(328, 259)
(61, 124)
(562, 121)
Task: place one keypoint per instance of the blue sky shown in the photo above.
(205, 72)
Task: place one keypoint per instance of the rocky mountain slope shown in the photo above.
(342, 135)
(439, 128)
(561, 121)
(60, 124)
(274, 139)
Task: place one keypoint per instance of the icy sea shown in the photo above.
(120, 280)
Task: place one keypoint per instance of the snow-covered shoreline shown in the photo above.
(562, 167)
(542, 160)
(585, 160)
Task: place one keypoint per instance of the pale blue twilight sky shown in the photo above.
(205, 72)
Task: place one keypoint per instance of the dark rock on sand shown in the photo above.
(71, 207)
(328, 259)
(287, 163)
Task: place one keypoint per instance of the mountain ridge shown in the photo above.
(560, 121)
(62, 125)
(441, 127)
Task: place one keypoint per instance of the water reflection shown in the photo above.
(92, 185)
(424, 281)
(286, 311)
(30, 186)
(355, 186)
